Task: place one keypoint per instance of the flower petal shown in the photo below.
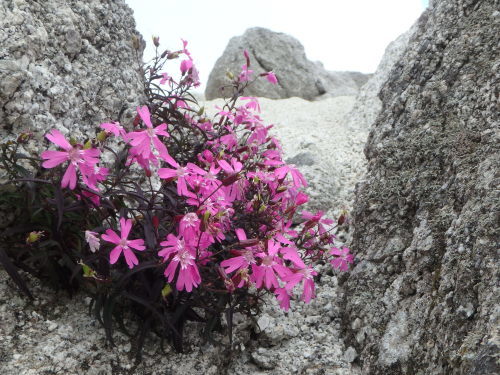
(115, 254)
(55, 136)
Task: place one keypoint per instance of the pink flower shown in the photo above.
(74, 154)
(92, 175)
(246, 74)
(265, 273)
(141, 140)
(298, 179)
(343, 258)
(186, 65)
(306, 276)
(165, 78)
(271, 77)
(232, 168)
(301, 198)
(114, 127)
(190, 225)
(245, 258)
(253, 103)
(290, 253)
(184, 259)
(123, 244)
(283, 298)
(180, 174)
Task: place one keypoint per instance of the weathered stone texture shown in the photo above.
(424, 296)
(283, 54)
(66, 64)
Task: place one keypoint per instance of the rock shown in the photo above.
(425, 287)
(283, 54)
(368, 105)
(68, 65)
(350, 354)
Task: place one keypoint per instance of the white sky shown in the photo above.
(342, 34)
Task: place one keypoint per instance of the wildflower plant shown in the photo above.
(194, 218)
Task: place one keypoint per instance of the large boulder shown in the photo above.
(66, 64)
(424, 297)
(283, 54)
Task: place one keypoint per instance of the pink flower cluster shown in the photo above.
(238, 194)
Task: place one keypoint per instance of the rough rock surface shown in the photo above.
(368, 105)
(424, 296)
(66, 64)
(283, 54)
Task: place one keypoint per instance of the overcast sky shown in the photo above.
(342, 34)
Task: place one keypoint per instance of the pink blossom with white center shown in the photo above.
(189, 225)
(92, 175)
(76, 156)
(182, 256)
(179, 173)
(123, 243)
(141, 141)
(265, 272)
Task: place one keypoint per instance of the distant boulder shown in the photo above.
(285, 56)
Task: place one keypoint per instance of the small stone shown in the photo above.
(52, 326)
(350, 354)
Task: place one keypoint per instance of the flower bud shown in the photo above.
(34, 237)
(87, 271)
(148, 172)
(156, 41)
(135, 42)
(231, 179)
(167, 289)
(24, 137)
(156, 222)
(281, 189)
(87, 145)
(172, 55)
(230, 75)
(101, 136)
(137, 120)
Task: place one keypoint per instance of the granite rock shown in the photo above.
(68, 65)
(424, 293)
(283, 54)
